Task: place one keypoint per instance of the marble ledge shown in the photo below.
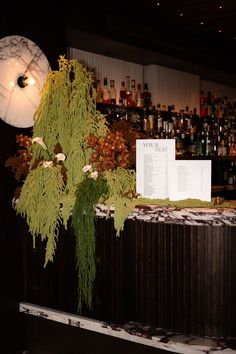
(173, 215)
(176, 215)
(134, 332)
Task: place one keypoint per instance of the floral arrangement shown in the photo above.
(72, 162)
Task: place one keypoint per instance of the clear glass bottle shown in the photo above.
(151, 128)
(106, 93)
(99, 92)
(128, 92)
(147, 100)
(159, 121)
(122, 98)
(139, 96)
(133, 93)
(112, 92)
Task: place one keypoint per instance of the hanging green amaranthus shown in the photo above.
(56, 185)
(89, 193)
(65, 117)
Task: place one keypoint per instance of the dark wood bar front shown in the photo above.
(177, 277)
(176, 274)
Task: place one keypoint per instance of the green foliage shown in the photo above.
(40, 202)
(122, 192)
(88, 194)
(65, 117)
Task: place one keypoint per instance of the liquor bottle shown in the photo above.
(139, 96)
(151, 128)
(180, 133)
(170, 132)
(133, 93)
(106, 94)
(203, 105)
(147, 99)
(112, 92)
(129, 101)
(165, 122)
(144, 125)
(174, 118)
(159, 121)
(99, 92)
(122, 98)
(188, 119)
(187, 128)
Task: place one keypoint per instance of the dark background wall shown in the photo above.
(44, 24)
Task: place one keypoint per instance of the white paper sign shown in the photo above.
(152, 159)
(160, 176)
(190, 179)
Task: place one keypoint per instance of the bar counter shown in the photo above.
(171, 268)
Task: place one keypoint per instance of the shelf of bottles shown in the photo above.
(211, 134)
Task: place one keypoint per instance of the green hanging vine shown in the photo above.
(89, 193)
(39, 202)
(122, 192)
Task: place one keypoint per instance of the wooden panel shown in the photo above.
(169, 86)
(176, 277)
(171, 276)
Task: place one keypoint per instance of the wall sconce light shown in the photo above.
(23, 70)
(24, 81)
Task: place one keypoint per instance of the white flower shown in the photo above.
(60, 156)
(87, 168)
(94, 175)
(47, 164)
(40, 141)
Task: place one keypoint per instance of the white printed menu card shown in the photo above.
(190, 179)
(152, 160)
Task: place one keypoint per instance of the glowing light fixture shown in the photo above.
(23, 70)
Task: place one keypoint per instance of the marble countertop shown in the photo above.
(175, 215)
(135, 332)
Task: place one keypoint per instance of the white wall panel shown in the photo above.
(113, 69)
(218, 90)
(169, 86)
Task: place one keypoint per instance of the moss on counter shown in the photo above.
(187, 203)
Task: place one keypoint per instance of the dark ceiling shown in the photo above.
(136, 30)
(198, 34)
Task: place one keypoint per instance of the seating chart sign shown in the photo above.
(152, 159)
(159, 175)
